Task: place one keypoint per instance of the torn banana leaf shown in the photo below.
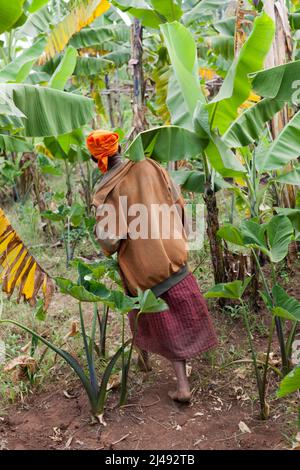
(19, 270)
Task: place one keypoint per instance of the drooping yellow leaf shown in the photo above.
(3, 224)
(14, 273)
(28, 288)
(22, 362)
(78, 18)
(11, 255)
(6, 241)
(19, 269)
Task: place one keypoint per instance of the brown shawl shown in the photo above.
(144, 263)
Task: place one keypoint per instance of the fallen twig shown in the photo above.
(140, 404)
(121, 439)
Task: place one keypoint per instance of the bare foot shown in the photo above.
(143, 362)
(182, 397)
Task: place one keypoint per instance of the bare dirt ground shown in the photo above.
(55, 419)
(223, 413)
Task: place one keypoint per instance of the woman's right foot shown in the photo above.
(181, 396)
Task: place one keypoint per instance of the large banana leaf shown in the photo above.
(98, 37)
(82, 15)
(162, 11)
(64, 70)
(280, 83)
(278, 86)
(37, 78)
(168, 9)
(119, 57)
(167, 143)
(222, 159)
(225, 26)
(14, 144)
(286, 147)
(89, 66)
(19, 68)
(36, 5)
(236, 87)
(221, 45)
(202, 9)
(10, 12)
(292, 177)
(7, 105)
(39, 22)
(48, 112)
(248, 127)
(190, 180)
(19, 269)
(184, 87)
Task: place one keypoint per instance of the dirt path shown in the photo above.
(51, 420)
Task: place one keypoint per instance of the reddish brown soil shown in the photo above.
(58, 416)
(50, 420)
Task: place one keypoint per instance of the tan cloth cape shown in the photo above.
(144, 263)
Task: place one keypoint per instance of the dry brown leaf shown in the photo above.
(23, 362)
(74, 330)
(114, 381)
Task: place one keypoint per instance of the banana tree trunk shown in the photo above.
(216, 247)
(110, 102)
(139, 122)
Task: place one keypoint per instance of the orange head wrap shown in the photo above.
(102, 144)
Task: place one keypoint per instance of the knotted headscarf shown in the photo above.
(102, 145)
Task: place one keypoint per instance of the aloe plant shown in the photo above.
(88, 290)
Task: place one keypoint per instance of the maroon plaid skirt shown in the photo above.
(181, 332)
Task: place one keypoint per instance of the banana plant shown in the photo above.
(205, 121)
(152, 13)
(232, 144)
